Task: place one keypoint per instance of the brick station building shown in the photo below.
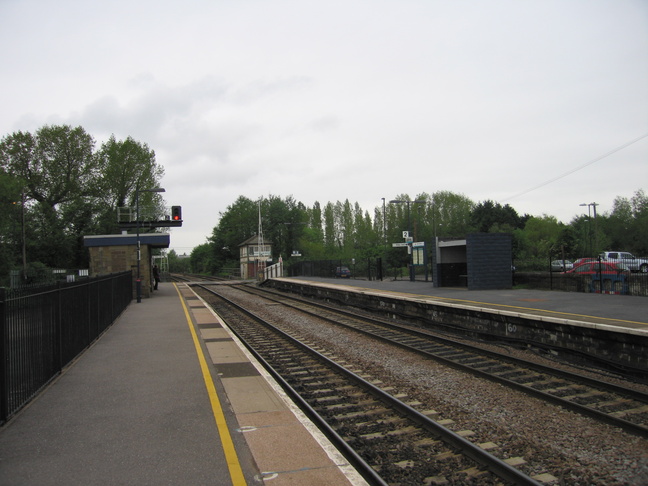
(118, 253)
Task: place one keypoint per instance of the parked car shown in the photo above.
(342, 272)
(606, 268)
(628, 259)
(584, 260)
(561, 265)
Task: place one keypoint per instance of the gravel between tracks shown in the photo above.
(575, 449)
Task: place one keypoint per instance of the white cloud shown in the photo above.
(337, 100)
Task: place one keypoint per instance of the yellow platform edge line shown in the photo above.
(233, 464)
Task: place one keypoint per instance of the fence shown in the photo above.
(366, 269)
(634, 284)
(273, 271)
(549, 274)
(45, 328)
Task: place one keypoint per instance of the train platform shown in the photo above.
(166, 396)
(621, 313)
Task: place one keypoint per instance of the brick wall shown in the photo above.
(488, 257)
(115, 259)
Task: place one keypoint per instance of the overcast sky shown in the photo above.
(333, 100)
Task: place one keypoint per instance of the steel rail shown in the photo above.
(474, 452)
(630, 427)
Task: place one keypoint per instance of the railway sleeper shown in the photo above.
(619, 402)
(332, 398)
(362, 413)
(593, 394)
(538, 384)
(427, 442)
(488, 446)
(391, 433)
(632, 411)
(321, 383)
(521, 378)
(342, 406)
(474, 473)
(548, 384)
(387, 421)
(477, 361)
(435, 481)
(564, 390)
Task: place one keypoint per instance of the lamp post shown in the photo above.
(384, 225)
(138, 282)
(589, 219)
(409, 229)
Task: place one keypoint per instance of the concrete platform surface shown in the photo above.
(620, 311)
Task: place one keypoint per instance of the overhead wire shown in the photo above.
(576, 169)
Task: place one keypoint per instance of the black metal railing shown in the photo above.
(556, 274)
(364, 269)
(45, 328)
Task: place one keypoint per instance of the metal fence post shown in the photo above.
(4, 393)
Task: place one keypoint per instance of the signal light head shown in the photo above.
(176, 213)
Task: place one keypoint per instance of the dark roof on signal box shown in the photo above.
(253, 240)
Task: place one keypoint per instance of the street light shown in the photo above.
(409, 229)
(138, 282)
(589, 219)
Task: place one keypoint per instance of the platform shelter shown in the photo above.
(118, 253)
(481, 261)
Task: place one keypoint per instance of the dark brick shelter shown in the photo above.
(481, 261)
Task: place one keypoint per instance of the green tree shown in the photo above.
(539, 240)
(331, 237)
(177, 263)
(202, 259)
(59, 172)
(312, 239)
(126, 166)
(640, 224)
(492, 217)
(450, 214)
(71, 190)
(11, 239)
(237, 223)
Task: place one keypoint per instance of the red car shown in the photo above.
(584, 260)
(593, 268)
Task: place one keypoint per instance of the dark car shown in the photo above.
(342, 272)
(593, 268)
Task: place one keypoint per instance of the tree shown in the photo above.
(177, 263)
(59, 173)
(625, 227)
(57, 164)
(491, 217)
(202, 259)
(640, 225)
(331, 237)
(11, 238)
(541, 237)
(71, 190)
(450, 214)
(126, 166)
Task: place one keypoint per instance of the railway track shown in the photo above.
(609, 403)
(187, 277)
(385, 437)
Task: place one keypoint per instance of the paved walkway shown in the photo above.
(622, 311)
(165, 396)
